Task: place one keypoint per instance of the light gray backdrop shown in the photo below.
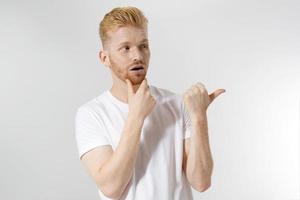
(49, 67)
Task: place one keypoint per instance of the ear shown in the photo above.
(104, 58)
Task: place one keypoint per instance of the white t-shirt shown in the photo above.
(158, 171)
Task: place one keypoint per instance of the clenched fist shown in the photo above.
(140, 103)
(196, 100)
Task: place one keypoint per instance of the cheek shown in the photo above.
(117, 69)
(122, 73)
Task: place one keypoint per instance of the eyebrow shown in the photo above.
(126, 42)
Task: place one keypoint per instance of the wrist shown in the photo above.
(199, 117)
(135, 118)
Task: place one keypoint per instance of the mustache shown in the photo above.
(137, 63)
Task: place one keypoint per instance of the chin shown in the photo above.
(137, 80)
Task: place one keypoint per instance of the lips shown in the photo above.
(136, 68)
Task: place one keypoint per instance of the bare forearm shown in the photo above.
(199, 162)
(118, 170)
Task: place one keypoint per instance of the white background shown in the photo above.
(49, 67)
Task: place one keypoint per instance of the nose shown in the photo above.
(137, 55)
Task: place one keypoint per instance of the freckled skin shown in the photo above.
(123, 74)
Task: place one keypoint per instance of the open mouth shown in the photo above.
(137, 68)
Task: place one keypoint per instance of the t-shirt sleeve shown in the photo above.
(187, 127)
(89, 131)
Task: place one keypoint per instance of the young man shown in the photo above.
(138, 141)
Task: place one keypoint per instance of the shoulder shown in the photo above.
(94, 104)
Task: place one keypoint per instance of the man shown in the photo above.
(138, 141)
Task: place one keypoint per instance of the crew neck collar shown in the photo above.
(116, 100)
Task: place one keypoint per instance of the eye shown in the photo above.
(124, 48)
(145, 46)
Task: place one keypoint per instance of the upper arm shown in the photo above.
(93, 144)
(186, 148)
(94, 159)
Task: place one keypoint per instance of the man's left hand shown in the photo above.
(197, 100)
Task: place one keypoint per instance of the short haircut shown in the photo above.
(119, 17)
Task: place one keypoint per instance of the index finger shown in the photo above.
(129, 88)
(143, 85)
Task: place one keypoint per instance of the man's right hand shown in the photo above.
(142, 102)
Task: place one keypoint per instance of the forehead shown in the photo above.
(127, 34)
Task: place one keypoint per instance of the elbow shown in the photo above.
(202, 187)
(201, 182)
(109, 189)
(205, 187)
(110, 192)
